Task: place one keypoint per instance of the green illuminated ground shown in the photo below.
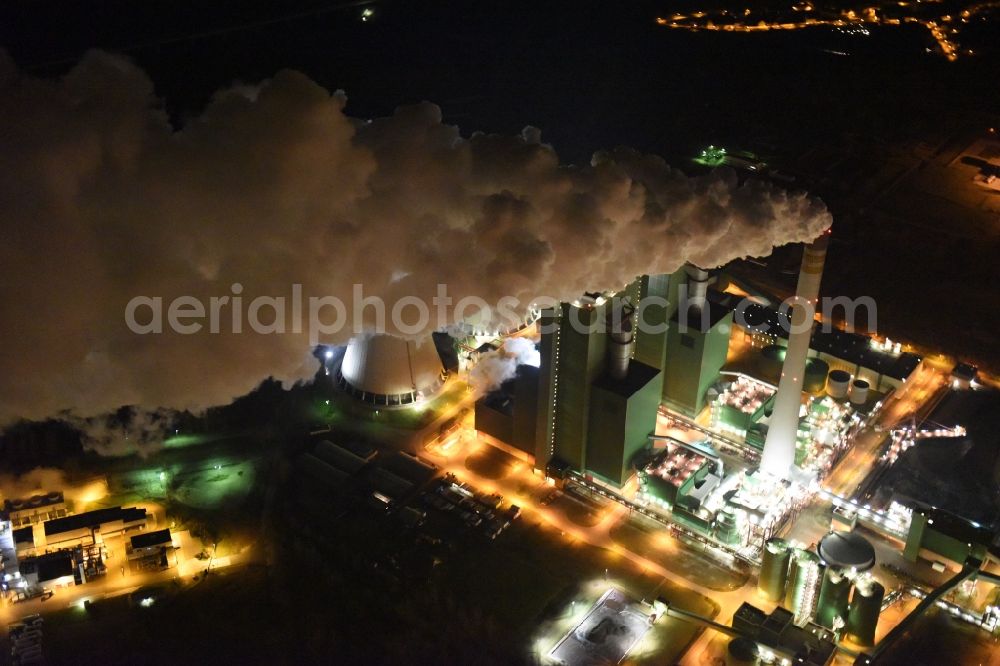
(215, 485)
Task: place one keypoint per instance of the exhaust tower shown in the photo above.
(779, 447)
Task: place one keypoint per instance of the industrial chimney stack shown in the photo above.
(779, 447)
(620, 339)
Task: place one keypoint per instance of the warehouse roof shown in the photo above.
(93, 519)
(150, 539)
(851, 347)
(639, 374)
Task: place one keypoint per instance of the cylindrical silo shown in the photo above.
(803, 585)
(774, 569)
(816, 371)
(866, 605)
(859, 392)
(834, 595)
(838, 383)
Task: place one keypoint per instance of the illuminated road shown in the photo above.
(520, 486)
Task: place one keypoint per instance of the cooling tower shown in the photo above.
(779, 447)
(386, 371)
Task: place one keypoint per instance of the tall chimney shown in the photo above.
(619, 339)
(697, 287)
(779, 447)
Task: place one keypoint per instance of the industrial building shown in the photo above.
(697, 343)
(24, 540)
(84, 528)
(808, 644)
(937, 535)
(389, 372)
(884, 368)
(597, 405)
(679, 476)
(35, 509)
(50, 569)
(740, 406)
(829, 587)
(509, 414)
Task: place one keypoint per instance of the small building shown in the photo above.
(937, 535)
(808, 645)
(147, 541)
(150, 550)
(83, 528)
(35, 509)
(51, 569)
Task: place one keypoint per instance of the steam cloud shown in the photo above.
(102, 200)
(496, 367)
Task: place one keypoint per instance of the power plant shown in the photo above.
(597, 404)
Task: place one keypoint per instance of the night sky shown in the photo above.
(590, 75)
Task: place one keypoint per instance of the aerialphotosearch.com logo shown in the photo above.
(328, 317)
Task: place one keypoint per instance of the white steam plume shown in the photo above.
(101, 200)
(496, 367)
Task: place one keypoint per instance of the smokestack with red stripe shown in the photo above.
(779, 447)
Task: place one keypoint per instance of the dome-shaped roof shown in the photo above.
(390, 371)
(848, 550)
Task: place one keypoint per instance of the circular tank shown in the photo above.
(834, 595)
(862, 618)
(742, 651)
(774, 569)
(846, 550)
(859, 392)
(815, 377)
(838, 383)
(803, 583)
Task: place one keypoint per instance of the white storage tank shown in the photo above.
(837, 384)
(859, 392)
